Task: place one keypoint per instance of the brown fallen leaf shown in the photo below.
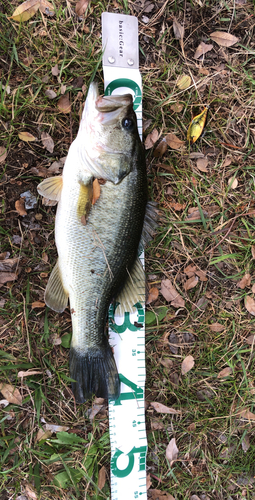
(11, 394)
(50, 94)
(151, 138)
(46, 8)
(176, 107)
(225, 372)
(184, 82)
(101, 477)
(3, 153)
(64, 104)
(173, 141)
(38, 305)
(148, 481)
(170, 294)
(26, 10)
(47, 141)
(245, 281)
(202, 49)
(202, 275)
(249, 303)
(232, 182)
(223, 39)
(187, 364)
(160, 408)
(42, 434)
(176, 206)
(160, 149)
(20, 207)
(9, 265)
(156, 425)
(250, 340)
(81, 7)
(172, 451)
(178, 29)
(216, 327)
(159, 495)
(191, 283)
(153, 295)
(227, 162)
(167, 363)
(55, 70)
(30, 492)
(190, 270)
(202, 164)
(6, 277)
(245, 443)
(245, 413)
(26, 137)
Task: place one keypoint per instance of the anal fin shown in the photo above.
(55, 295)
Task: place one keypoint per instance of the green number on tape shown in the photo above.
(127, 325)
(136, 394)
(131, 456)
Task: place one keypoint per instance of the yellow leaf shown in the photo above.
(184, 82)
(26, 137)
(26, 10)
(197, 125)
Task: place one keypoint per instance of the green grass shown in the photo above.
(66, 464)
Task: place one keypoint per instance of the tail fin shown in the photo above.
(95, 372)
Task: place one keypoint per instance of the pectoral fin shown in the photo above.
(133, 290)
(56, 296)
(51, 188)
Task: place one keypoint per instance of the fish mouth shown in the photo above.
(110, 107)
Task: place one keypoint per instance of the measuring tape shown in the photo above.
(127, 332)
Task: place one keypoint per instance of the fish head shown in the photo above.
(108, 135)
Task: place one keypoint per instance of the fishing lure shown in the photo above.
(197, 126)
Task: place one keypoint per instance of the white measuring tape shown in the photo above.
(127, 333)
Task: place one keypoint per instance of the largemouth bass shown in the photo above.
(97, 244)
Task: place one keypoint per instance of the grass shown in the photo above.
(210, 433)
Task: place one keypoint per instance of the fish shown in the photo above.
(197, 125)
(97, 244)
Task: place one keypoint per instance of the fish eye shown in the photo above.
(128, 124)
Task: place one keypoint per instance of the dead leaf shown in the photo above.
(46, 8)
(26, 137)
(20, 207)
(249, 304)
(27, 373)
(225, 372)
(153, 295)
(253, 251)
(177, 108)
(50, 94)
(159, 495)
(184, 82)
(56, 428)
(216, 327)
(195, 155)
(160, 149)
(37, 304)
(245, 443)
(42, 434)
(148, 481)
(55, 70)
(190, 270)
(9, 265)
(64, 104)
(101, 477)
(170, 294)
(5, 277)
(3, 153)
(202, 49)
(11, 394)
(151, 138)
(81, 7)
(233, 182)
(245, 413)
(47, 141)
(187, 364)
(30, 492)
(94, 411)
(223, 39)
(156, 425)
(26, 10)
(178, 29)
(191, 283)
(55, 167)
(250, 340)
(160, 408)
(202, 164)
(146, 124)
(227, 162)
(167, 363)
(202, 275)
(96, 191)
(173, 141)
(172, 451)
(245, 281)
